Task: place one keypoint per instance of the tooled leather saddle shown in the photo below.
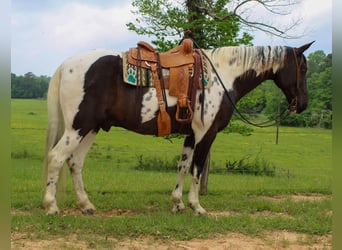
(185, 66)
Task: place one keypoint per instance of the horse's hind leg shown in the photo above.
(183, 168)
(55, 161)
(75, 163)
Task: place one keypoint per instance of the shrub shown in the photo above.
(258, 166)
(156, 163)
(238, 128)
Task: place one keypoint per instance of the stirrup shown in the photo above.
(184, 114)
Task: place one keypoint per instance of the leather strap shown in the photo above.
(163, 120)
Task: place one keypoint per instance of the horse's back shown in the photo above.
(79, 64)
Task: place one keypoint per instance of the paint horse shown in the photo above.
(87, 93)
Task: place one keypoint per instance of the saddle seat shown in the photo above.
(184, 65)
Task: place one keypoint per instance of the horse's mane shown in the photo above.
(258, 58)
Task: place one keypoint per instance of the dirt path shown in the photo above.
(273, 240)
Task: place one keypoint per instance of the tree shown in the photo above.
(167, 21)
(317, 61)
(320, 90)
(243, 11)
(214, 23)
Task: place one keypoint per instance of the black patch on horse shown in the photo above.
(98, 93)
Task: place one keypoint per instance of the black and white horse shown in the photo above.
(87, 93)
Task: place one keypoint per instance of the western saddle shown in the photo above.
(185, 66)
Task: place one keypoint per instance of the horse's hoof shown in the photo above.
(86, 207)
(52, 212)
(88, 211)
(178, 208)
(200, 211)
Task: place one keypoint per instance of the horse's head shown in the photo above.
(291, 78)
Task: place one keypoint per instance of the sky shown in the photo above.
(45, 33)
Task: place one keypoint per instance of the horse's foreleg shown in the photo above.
(183, 168)
(55, 161)
(194, 192)
(75, 162)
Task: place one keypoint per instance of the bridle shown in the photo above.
(293, 105)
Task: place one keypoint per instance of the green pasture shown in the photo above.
(302, 160)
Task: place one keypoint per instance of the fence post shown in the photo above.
(278, 117)
(204, 178)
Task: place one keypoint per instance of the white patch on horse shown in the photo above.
(183, 168)
(150, 106)
(212, 102)
(242, 59)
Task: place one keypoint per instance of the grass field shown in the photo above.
(132, 203)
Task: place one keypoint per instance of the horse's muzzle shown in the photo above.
(293, 105)
(297, 107)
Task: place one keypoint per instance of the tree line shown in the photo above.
(262, 100)
(29, 86)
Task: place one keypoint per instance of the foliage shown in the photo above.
(214, 23)
(254, 102)
(255, 167)
(318, 62)
(29, 86)
(234, 127)
(156, 163)
(167, 21)
(258, 166)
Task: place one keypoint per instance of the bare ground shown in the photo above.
(271, 240)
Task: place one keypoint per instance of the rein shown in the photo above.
(243, 117)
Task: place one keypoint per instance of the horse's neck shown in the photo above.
(248, 66)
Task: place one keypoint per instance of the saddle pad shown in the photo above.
(131, 72)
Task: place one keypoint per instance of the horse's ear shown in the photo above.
(301, 49)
